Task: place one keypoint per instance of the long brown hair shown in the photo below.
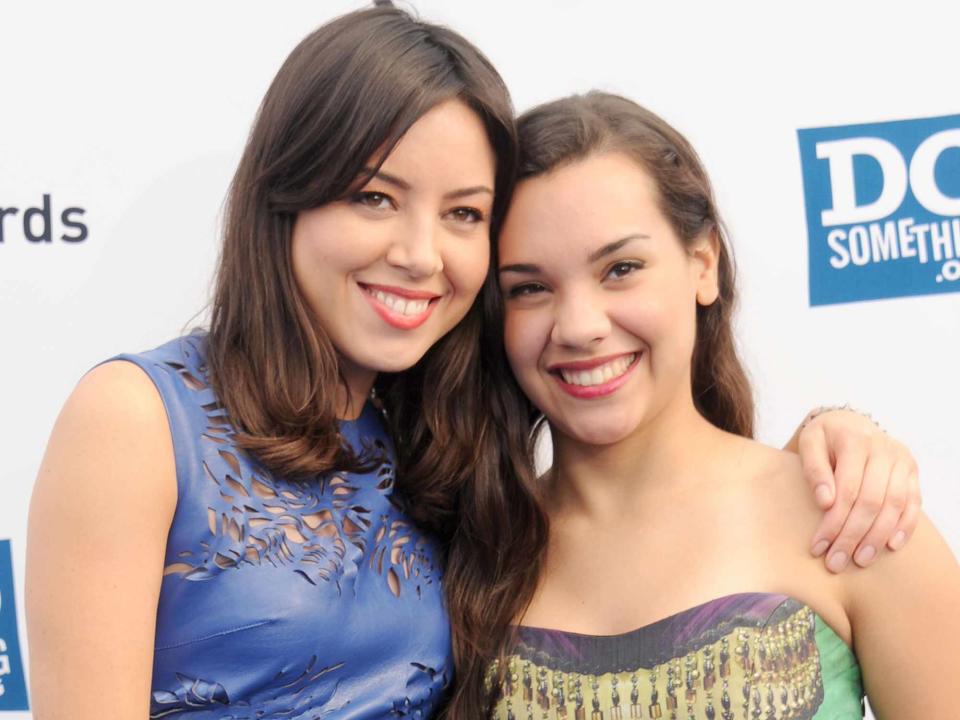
(495, 577)
(340, 102)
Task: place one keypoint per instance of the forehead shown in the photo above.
(579, 205)
(450, 138)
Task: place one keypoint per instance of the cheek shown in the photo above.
(682, 314)
(310, 268)
(325, 241)
(465, 263)
(512, 336)
(523, 339)
(351, 244)
(657, 315)
(667, 327)
(642, 315)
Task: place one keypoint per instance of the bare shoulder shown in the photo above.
(771, 514)
(924, 567)
(112, 436)
(774, 478)
(116, 390)
(905, 606)
(765, 500)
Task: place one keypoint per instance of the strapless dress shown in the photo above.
(749, 656)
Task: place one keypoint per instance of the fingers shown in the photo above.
(868, 481)
(884, 527)
(911, 513)
(850, 471)
(817, 468)
(864, 511)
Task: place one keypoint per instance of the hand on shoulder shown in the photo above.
(779, 517)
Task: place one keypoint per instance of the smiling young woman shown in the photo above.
(673, 582)
(557, 313)
(236, 530)
(394, 266)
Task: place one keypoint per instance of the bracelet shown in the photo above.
(823, 409)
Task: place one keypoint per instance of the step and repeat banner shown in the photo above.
(832, 132)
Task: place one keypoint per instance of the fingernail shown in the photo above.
(898, 540)
(837, 562)
(822, 494)
(820, 548)
(865, 555)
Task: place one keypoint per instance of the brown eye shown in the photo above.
(466, 214)
(620, 270)
(525, 289)
(374, 200)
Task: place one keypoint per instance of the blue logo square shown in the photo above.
(883, 209)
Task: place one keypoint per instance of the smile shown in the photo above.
(399, 307)
(594, 378)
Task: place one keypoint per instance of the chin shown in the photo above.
(395, 363)
(384, 359)
(602, 433)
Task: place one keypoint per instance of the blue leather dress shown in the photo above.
(287, 600)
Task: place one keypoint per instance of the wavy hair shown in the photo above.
(493, 572)
(339, 104)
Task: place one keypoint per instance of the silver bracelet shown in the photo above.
(823, 409)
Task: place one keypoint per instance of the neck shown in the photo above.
(665, 454)
(352, 394)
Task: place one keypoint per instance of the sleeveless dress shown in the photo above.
(282, 599)
(750, 656)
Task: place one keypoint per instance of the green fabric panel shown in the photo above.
(842, 684)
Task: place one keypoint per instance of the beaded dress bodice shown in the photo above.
(285, 599)
(751, 656)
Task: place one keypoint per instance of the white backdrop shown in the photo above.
(137, 113)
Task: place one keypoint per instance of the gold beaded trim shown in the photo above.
(770, 673)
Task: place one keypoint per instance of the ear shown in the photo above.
(705, 257)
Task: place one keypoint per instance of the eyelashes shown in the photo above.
(623, 268)
(381, 202)
(468, 214)
(525, 289)
(615, 272)
(373, 200)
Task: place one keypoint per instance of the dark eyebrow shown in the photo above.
(614, 246)
(531, 269)
(387, 178)
(525, 268)
(404, 185)
(465, 192)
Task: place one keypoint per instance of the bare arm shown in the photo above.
(906, 629)
(865, 481)
(99, 518)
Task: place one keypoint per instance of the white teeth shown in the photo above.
(398, 305)
(599, 375)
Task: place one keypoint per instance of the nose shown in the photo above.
(579, 321)
(415, 248)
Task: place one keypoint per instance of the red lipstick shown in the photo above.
(589, 392)
(393, 318)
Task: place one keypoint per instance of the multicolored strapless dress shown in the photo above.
(750, 656)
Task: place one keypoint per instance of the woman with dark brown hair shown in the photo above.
(664, 575)
(252, 521)
(217, 528)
